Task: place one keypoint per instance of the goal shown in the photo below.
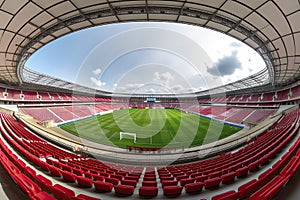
(128, 135)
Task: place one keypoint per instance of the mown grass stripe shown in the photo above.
(179, 125)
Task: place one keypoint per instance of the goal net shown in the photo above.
(128, 135)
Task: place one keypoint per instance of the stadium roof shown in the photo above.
(271, 27)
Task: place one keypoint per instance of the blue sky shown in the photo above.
(147, 57)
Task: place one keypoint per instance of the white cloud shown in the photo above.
(115, 87)
(163, 78)
(130, 87)
(96, 82)
(97, 71)
(150, 90)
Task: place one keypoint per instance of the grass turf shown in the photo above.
(153, 128)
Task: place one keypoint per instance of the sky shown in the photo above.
(150, 57)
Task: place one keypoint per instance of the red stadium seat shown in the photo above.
(44, 166)
(169, 183)
(242, 172)
(126, 190)
(30, 172)
(248, 188)
(185, 181)
(114, 181)
(136, 178)
(117, 176)
(84, 182)
(68, 176)
(212, 183)
(194, 187)
(98, 177)
(43, 182)
(228, 178)
(149, 183)
(62, 192)
(254, 166)
(149, 178)
(43, 196)
(169, 178)
(148, 191)
(173, 190)
(104, 174)
(201, 178)
(215, 174)
(55, 171)
(181, 177)
(103, 186)
(129, 182)
(78, 172)
(27, 185)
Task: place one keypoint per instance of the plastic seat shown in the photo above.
(68, 176)
(228, 178)
(242, 172)
(55, 171)
(44, 166)
(248, 188)
(84, 182)
(149, 178)
(114, 181)
(173, 190)
(43, 196)
(169, 183)
(149, 183)
(62, 192)
(185, 181)
(126, 190)
(254, 166)
(103, 186)
(148, 191)
(78, 172)
(201, 178)
(136, 178)
(129, 182)
(212, 183)
(27, 185)
(98, 178)
(194, 187)
(117, 176)
(43, 182)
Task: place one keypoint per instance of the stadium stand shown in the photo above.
(48, 166)
(259, 115)
(207, 174)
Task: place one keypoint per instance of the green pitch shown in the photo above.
(153, 128)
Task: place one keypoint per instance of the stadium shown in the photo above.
(63, 140)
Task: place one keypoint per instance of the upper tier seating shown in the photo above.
(254, 98)
(295, 92)
(267, 97)
(30, 95)
(282, 95)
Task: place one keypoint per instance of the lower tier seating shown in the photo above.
(90, 174)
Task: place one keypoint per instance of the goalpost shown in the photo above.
(126, 134)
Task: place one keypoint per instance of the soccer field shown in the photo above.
(153, 128)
